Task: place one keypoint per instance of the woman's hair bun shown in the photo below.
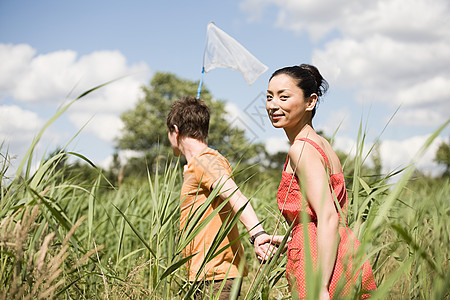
(320, 82)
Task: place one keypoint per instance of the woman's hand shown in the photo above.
(324, 295)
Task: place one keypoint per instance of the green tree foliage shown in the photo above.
(277, 160)
(69, 167)
(443, 157)
(145, 127)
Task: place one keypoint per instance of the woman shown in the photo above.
(312, 164)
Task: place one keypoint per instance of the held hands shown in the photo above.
(266, 245)
(264, 249)
(277, 239)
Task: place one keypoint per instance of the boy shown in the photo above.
(188, 125)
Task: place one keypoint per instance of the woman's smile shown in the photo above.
(275, 116)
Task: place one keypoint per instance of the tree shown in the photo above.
(64, 169)
(443, 157)
(145, 127)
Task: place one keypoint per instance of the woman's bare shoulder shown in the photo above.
(331, 154)
(303, 153)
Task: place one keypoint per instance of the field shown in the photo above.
(67, 237)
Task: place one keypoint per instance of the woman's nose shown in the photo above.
(272, 104)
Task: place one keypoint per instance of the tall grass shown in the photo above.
(66, 238)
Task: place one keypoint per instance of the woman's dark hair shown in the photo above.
(191, 116)
(309, 80)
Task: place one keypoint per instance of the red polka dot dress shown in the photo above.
(289, 200)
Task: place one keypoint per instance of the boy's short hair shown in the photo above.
(191, 116)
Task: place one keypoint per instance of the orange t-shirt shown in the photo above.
(199, 175)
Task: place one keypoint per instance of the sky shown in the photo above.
(387, 63)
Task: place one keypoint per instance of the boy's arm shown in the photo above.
(248, 218)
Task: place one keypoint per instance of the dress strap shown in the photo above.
(315, 145)
(285, 164)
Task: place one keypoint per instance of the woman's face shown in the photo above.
(285, 104)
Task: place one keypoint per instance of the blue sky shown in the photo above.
(377, 56)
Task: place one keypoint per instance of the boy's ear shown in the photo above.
(176, 129)
(311, 102)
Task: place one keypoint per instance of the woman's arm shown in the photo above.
(248, 217)
(309, 167)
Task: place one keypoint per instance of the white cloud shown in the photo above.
(404, 19)
(18, 128)
(315, 17)
(105, 126)
(339, 120)
(50, 77)
(428, 92)
(408, 20)
(422, 116)
(277, 144)
(104, 107)
(387, 70)
(395, 154)
(115, 97)
(237, 118)
(17, 122)
(14, 60)
(398, 154)
(345, 144)
(232, 112)
(390, 51)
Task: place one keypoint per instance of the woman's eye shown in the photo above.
(269, 97)
(283, 97)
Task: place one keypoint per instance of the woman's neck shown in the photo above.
(303, 131)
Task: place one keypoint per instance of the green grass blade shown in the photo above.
(138, 234)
